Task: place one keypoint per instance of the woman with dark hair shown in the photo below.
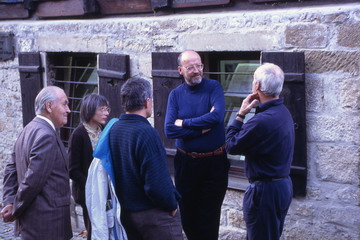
(94, 111)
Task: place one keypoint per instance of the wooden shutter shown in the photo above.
(269, 1)
(113, 71)
(293, 65)
(197, 3)
(13, 11)
(124, 6)
(155, 4)
(63, 8)
(165, 78)
(30, 82)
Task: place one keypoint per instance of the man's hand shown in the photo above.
(6, 213)
(248, 103)
(178, 122)
(173, 213)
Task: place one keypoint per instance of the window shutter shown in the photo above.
(13, 10)
(63, 8)
(30, 82)
(113, 70)
(197, 3)
(293, 65)
(155, 4)
(124, 6)
(165, 78)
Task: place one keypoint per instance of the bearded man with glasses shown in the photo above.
(195, 118)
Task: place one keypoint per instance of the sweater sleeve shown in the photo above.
(76, 157)
(171, 130)
(158, 185)
(213, 118)
(242, 138)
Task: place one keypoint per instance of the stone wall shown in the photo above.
(330, 38)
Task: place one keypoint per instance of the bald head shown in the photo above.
(190, 67)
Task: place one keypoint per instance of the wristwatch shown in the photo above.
(240, 116)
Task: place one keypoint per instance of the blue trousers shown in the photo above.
(202, 183)
(265, 206)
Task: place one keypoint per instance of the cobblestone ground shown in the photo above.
(7, 232)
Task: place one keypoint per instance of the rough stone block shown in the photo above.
(252, 40)
(338, 163)
(233, 199)
(349, 35)
(314, 92)
(334, 214)
(72, 43)
(229, 233)
(349, 195)
(336, 18)
(299, 208)
(302, 229)
(333, 128)
(350, 93)
(26, 45)
(235, 219)
(306, 35)
(337, 61)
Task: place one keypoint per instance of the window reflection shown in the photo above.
(236, 80)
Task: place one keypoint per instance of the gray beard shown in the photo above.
(194, 82)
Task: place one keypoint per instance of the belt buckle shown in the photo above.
(193, 154)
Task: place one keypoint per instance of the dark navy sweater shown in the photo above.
(142, 178)
(193, 104)
(266, 140)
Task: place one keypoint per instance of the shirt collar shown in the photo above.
(262, 107)
(48, 120)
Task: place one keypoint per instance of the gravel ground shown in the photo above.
(7, 232)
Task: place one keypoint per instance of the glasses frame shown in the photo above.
(104, 109)
(192, 67)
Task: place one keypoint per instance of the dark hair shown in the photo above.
(89, 105)
(134, 93)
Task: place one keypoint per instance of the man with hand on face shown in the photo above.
(195, 118)
(267, 141)
(36, 182)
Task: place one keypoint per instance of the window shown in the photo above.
(235, 70)
(77, 75)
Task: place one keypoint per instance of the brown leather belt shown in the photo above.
(216, 152)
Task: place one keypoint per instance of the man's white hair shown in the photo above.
(271, 79)
(47, 94)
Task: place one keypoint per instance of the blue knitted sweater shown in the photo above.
(142, 178)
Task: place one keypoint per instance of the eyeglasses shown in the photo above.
(192, 67)
(105, 109)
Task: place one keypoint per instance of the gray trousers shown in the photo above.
(152, 224)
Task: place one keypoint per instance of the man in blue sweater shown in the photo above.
(195, 118)
(267, 141)
(143, 185)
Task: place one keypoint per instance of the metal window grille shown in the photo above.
(76, 73)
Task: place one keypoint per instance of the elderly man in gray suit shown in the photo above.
(36, 183)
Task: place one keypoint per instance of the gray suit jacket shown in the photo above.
(37, 184)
